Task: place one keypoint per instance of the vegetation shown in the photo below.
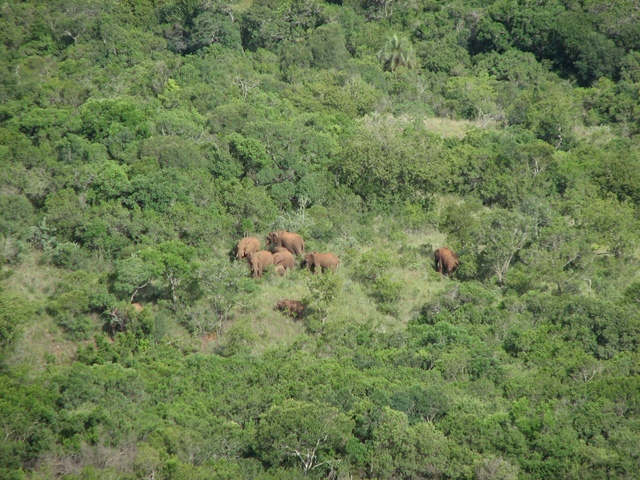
(140, 140)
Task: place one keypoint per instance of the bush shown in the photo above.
(16, 215)
(14, 311)
(68, 255)
(76, 327)
(387, 293)
(12, 250)
(374, 263)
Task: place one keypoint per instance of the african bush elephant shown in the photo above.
(246, 246)
(293, 308)
(316, 261)
(284, 259)
(446, 261)
(258, 261)
(291, 241)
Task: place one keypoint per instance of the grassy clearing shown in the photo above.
(354, 305)
(446, 127)
(44, 341)
(596, 135)
(242, 6)
(33, 279)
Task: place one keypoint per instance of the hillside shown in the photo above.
(140, 140)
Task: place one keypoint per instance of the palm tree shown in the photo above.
(397, 52)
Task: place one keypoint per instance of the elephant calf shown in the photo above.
(316, 261)
(447, 261)
(283, 257)
(293, 308)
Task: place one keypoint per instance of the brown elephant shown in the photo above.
(291, 241)
(447, 261)
(284, 259)
(258, 261)
(316, 261)
(246, 246)
(280, 270)
(293, 308)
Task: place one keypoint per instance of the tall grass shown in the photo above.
(447, 128)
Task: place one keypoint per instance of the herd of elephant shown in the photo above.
(283, 245)
(281, 248)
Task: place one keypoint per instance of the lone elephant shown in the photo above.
(284, 259)
(258, 261)
(293, 308)
(316, 261)
(246, 246)
(447, 261)
(291, 241)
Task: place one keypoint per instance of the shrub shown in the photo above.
(374, 263)
(68, 255)
(14, 311)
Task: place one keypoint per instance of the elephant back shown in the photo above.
(289, 240)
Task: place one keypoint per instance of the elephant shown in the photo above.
(258, 261)
(284, 258)
(447, 261)
(291, 241)
(280, 270)
(293, 308)
(316, 261)
(246, 246)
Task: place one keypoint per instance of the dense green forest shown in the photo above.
(141, 139)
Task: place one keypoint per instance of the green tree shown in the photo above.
(222, 284)
(14, 311)
(16, 214)
(131, 275)
(504, 233)
(323, 291)
(296, 432)
(397, 52)
(174, 261)
(327, 44)
(405, 451)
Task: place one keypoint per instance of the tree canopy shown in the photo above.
(140, 140)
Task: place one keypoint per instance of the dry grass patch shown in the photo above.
(242, 6)
(597, 135)
(33, 279)
(42, 342)
(420, 286)
(446, 127)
